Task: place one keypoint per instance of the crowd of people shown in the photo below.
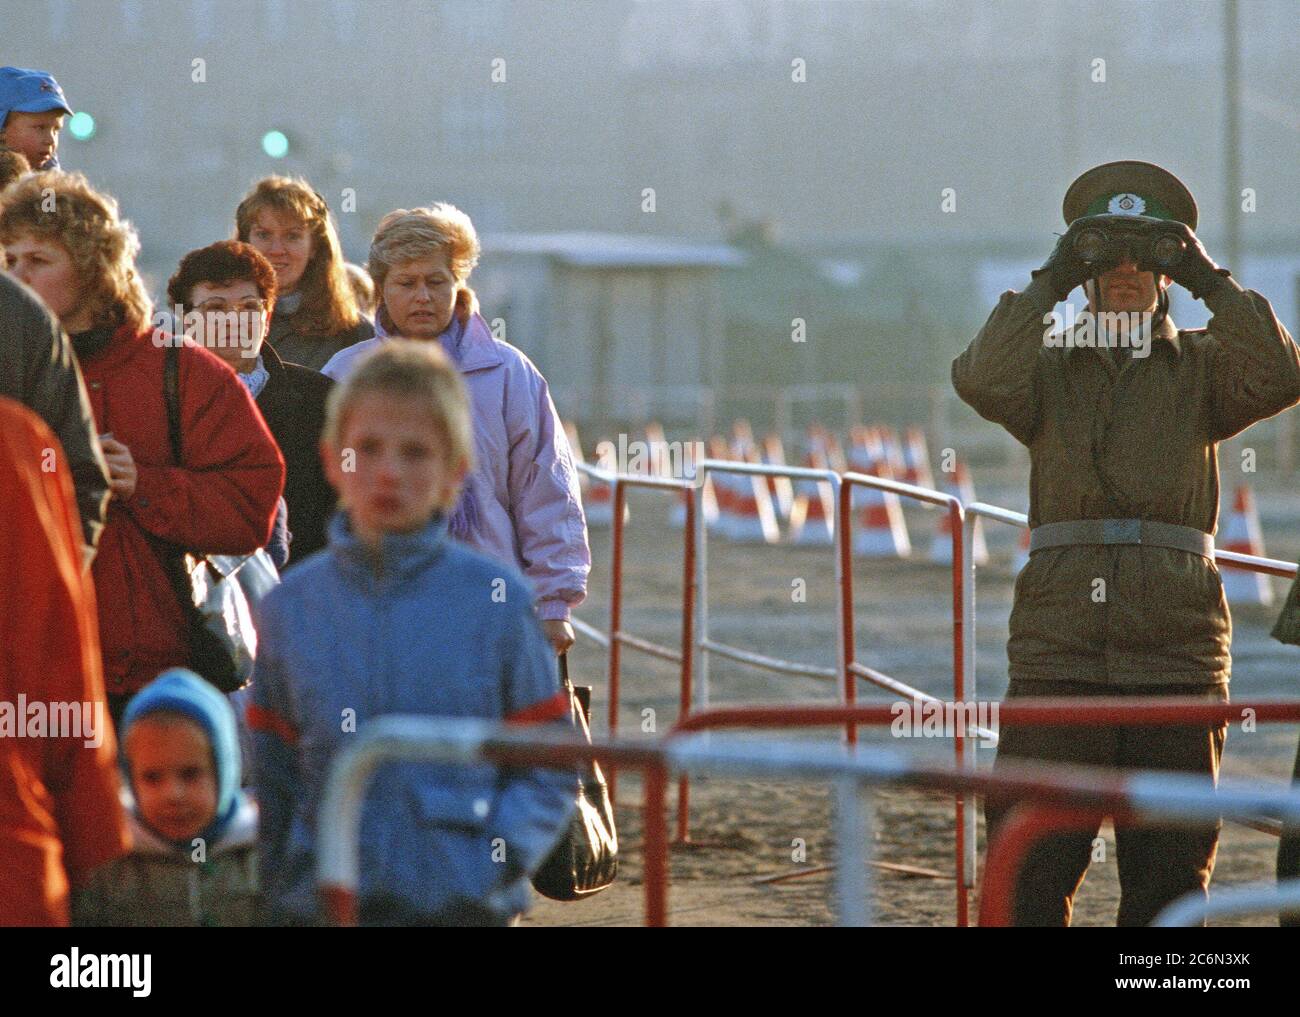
(406, 472)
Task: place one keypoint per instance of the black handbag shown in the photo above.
(585, 860)
(217, 593)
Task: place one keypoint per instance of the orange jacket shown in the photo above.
(59, 810)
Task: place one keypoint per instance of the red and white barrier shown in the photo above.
(748, 517)
(772, 453)
(812, 515)
(916, 460)
(881, 531)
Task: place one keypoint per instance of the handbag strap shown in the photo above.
(577, 714)
(173, 557)
(172, 395)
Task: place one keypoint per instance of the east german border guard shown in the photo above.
(1121, 595)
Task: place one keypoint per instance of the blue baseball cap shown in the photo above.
(27, 91)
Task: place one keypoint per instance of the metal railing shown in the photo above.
(694, 657)
(1235, 902)
(1160, 797)
(1028, 712)
(615, 639)
(964, 847)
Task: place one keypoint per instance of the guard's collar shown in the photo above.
(1163, 329)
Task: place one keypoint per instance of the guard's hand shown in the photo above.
(1196, 272)
(122, 473)
(1065, 269)
(559, 633)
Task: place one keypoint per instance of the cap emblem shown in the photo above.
(1126, 204)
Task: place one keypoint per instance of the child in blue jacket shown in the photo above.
(396, 618)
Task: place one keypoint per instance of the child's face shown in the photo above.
(173, 776)
(36, 135)
(391, 468)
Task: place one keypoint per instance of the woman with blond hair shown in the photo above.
(66, 241)
(521, 502)
(316, 312)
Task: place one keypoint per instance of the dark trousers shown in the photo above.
(1288, 856)
(1157, 865)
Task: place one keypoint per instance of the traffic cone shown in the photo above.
(835, 459)
(812, 515)
(860, 457)
(724, 498)
(598, 497)
(658, 464)
(958, 484)
(893, 449)
(706, 499)
(1241, 533)
(916, 460)
(706, 502)
(881, 531)
(752, 519)
(780, 488)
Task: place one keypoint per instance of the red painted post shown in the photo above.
(688, 656)
(956, 522)
(655, 876)
(615, 621)
(340, 904)
(846, 608)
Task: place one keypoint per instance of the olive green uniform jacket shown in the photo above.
(1137, 441)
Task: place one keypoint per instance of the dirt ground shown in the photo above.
(746, 830)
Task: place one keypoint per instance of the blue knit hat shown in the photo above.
(179, 690)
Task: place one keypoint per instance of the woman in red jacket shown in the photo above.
(219, 499)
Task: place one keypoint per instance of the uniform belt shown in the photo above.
(1122, 531)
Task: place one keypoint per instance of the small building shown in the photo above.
(624, 327)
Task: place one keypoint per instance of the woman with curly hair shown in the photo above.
(66, 241)
(316, 313)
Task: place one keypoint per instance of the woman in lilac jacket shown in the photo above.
(522, 503)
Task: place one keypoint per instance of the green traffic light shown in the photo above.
(82, 126)
(275, 144)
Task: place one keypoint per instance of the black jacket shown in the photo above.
(312, 351)
(293, 404)
(38, 369)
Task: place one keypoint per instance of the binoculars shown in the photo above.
(1152, 244)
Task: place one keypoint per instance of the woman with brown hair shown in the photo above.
(316, 314)
(67, 242)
